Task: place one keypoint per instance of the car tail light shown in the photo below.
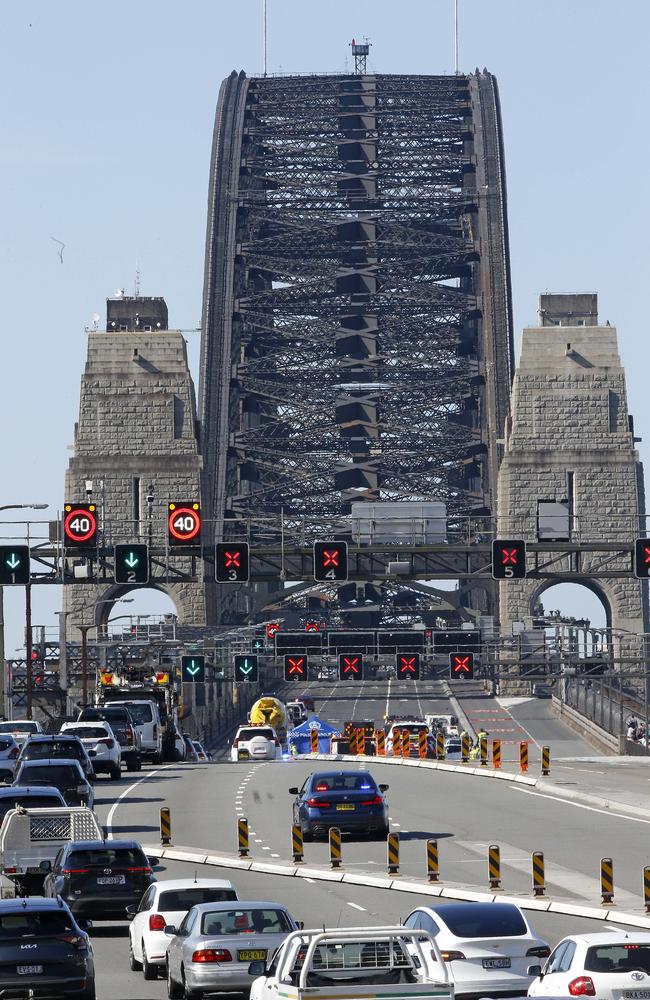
(157, 922)
(108, 742)
(583, 986)
(143, 869)
(155, 731)
(451, 956)
(319, 804)
(376, 801)
(235, 743)
(277, 742)
(13, 753)
(75, 871)
(212, 955)
(74, 939)
(542, 952)
(9, 871)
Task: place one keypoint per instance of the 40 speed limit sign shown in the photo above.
(79, 525)
(184, 523)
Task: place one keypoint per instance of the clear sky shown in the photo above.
(107, 112)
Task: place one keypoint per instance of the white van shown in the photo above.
(146, 719)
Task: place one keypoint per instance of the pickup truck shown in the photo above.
(341, 964)
(30, 840)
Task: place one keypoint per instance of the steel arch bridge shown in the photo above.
(357, 323)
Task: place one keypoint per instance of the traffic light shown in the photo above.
(193, 669)
(295, 668)
(461, 666)
(312, 627)
(408, 666)
(508, 559)
(14, 565)
(79, 525)
(258, 644)
(184, 522)
(330, 561)
(350, 667)
(272, 629)
(642, 558)
(246, 667)
(232, 562)
(131, 563)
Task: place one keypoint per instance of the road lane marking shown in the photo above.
(356, 906)
(578, 805)
(127, 791)
(390, 679)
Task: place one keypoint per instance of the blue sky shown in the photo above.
(107, 112)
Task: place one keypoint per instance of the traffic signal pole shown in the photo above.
(28, 649)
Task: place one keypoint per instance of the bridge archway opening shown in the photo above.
(145, 603)
(585, 603)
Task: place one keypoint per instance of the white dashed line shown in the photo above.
(356, 906)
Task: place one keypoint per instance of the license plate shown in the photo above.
(636, 994)
(111, 880)
(29, 970)
(344, 805)
(243, 755)
(252, 955)
(496, 963)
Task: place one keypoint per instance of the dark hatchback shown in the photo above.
(43, 951)
(39, 797)
(349, 800)
(99, 879)
(51, 747)
(66, 775)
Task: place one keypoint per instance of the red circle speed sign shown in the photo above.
(184, 522)
(80, 524)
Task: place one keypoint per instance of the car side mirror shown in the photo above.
(84, 925)
(153, 861)
(294, 791)
(131, 911)
(45, 866)
(171, 930)
(534, 970)
(257, 968)
(383, 788)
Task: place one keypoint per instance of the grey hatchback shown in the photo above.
(66, 775)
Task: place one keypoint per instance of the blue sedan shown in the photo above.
(349, 800)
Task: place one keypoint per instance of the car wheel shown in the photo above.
(131, 763)
(381, 834)
(115, 772)
(138, 763)
(148, 971)
(134, 965)
(307, 835)
(88, 994)
(174, 989)
(158, 758)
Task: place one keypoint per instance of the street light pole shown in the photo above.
(28, 648)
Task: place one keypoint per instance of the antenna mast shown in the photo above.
(360, 52)
(456, 37)
(264, 33)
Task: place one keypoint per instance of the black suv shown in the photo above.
(49, 747)
(98, 878)
(122, 724)
(44, 950)
(66, 775)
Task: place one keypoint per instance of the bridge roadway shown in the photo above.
(465, 813)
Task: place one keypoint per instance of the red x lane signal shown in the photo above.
(350, 667)
(508, 559)
(642, 558)
(408, 666)
(461, 666)
(330, 561)
(232, 562)
(295, 668)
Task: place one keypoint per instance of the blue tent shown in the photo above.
(301, 735)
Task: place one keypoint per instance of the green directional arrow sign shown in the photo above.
(246, 668)
(131, 563)
(14, 565)
(193, 669)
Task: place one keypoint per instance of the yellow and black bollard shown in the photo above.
(606, 880)
(242, 836)
(483, 749)
(397, 743)
(539, 881)
(433, 868)
(440, 746)
(422, 743)
(546, 760)
(335, 847)
(380, 737)
(406, 743)
(494, 866)
(496, 754)
(646, 888)
(361, 741)
(313, 737)
(392, 845)
(523, 756)
(297, 847)
(464, 747)
(165, 825)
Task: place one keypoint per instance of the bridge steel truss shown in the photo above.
(357, 323)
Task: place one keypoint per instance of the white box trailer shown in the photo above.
(30, 840)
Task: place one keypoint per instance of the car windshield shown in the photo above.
(55, 748)
(246, 921)
(184, 899)
(35, 923)
(352, 782)
(90, 732)
(140, 713)
(476, 921)
(29, 802)
(18, 727)
(407, 727)
(119, 857)
(49, 774)
(624, 957)
(249, 734)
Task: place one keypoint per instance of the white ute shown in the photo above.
(364, 962)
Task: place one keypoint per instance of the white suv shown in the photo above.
(255, 743)
(146, 719)
(101, 745)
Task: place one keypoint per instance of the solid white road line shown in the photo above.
(127, 791)
(356, 906)
(579, 805)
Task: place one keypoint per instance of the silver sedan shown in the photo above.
(213, 947)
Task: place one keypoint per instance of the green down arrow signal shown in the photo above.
(132, 560)
(245, 670)
(13, 561)
(191, 669)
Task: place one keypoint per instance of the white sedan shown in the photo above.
(488, 947)
(612, 965)
(167, 903)
(101, 745)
